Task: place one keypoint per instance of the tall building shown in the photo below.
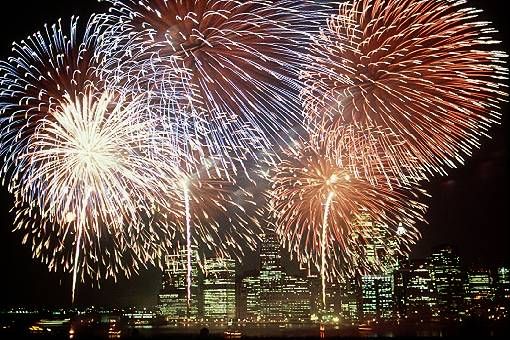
(503, 283)
(271, 279)
(295, 299)
(503, 293)
(173, 297)
(420, 292)
(449, 283)
(370, 233)
(400, 283)
(380, 247)
(479, 292)
(377, 297)
(249, 298)
(219, 289)
(332, 308)
(350, 301)
(272, 295)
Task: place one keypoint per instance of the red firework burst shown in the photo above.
(424, 70)
(326, 213)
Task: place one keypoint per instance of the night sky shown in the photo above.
(468, 209)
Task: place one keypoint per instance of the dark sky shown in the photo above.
(468, 209)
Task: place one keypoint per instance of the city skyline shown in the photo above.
(277, 267)
(440, 289)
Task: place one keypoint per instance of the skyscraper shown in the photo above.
(377, 297)
(249, 298)
(400, 283)
(377, 287)
(350, 300)
(480, 292)
(271, 279)
(420, 296)
(219, 291)
(172, 300)
(380, 247)
(295, 299)
(503, 283)
(503, 293)
(449, 282)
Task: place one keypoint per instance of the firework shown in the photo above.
(223, 79)
(424, 70)
(217, 218)
(321, 209)
(218, 210)
(228, 70)
(79, 159)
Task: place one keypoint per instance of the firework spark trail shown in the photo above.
(222, 224)
(324, 236)
(424, 70)
(78, 243)
(76, 258)
(188, 244)
(66, 137)
(304, 209)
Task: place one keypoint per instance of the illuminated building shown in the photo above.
(139, 317)
(370, 232)
(480, 292)
(316, 306)
(173, 304)
(400, 283)
(349, 301)
(379, 246)
(296, 299)
(317, 309)
(503, 283)
(219, 290)
(249, 298)
(449, 283)
(377, 297)
(271, 279)
(420, 292)
(503, 293)
(272, 295)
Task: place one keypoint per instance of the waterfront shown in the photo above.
(115, 326)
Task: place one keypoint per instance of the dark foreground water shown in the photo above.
(48, 329)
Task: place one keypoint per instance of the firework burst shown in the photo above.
(424, 70)
(80, 160)
(226, 70)
(321, 207)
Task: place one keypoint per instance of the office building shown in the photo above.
(271, 279)
(377, 297)
(448, 280)
(350, 301)
(295, 299)
(479, 292)
(420, 295)
(173, 302)
(249, 298)
(219, 293)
